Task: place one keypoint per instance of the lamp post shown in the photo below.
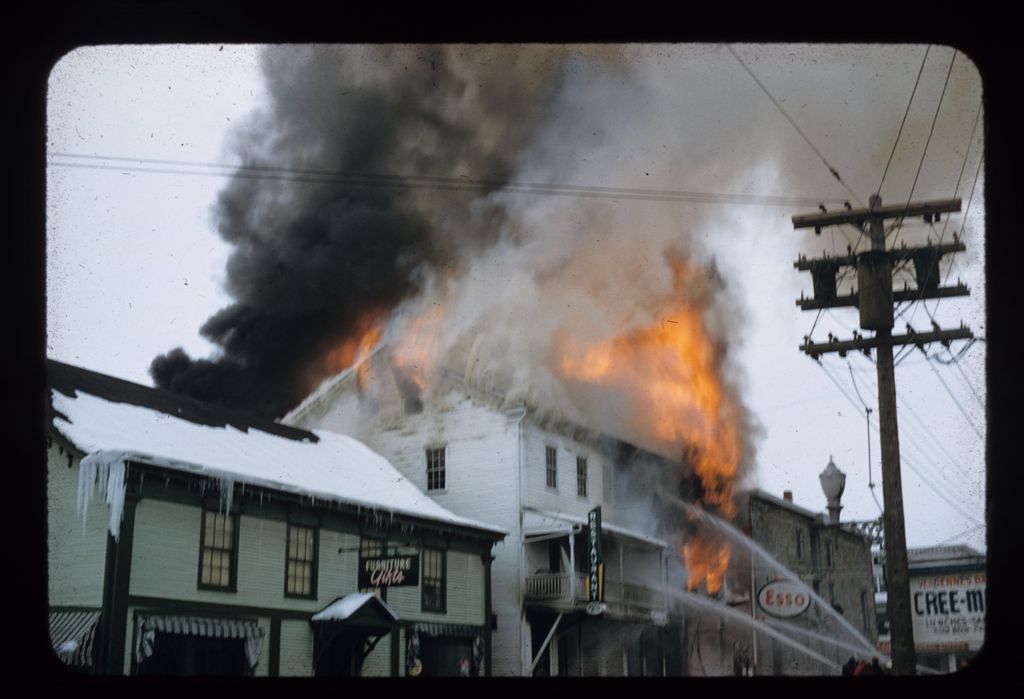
(833, 482)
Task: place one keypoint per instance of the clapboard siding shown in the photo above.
(76, 557)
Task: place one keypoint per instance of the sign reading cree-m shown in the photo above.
(595, 557)
(389, 571)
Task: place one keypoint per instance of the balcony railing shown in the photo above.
(554, 588)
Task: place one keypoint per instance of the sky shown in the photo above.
(136, 265)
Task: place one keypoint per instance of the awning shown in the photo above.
(146, 626)
(72, 635)
(474, 634)
(538, 525)
(359, 609)
(449, 630)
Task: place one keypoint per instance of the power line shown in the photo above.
(313, 176)
(931, 131)
(912, 440)
(963, 412)
(835, 173)
(903, 459)
(959, 368)
(963, 533)
(900, 132)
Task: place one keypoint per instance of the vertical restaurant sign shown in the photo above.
(595, 557)
(948, 611)
(389, 571)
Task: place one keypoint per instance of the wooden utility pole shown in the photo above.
(874, 299)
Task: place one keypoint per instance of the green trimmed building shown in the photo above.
(187, 540)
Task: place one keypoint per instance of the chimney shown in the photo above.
(787, 495)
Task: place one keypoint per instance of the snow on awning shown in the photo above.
(358, 609)
(336, 468)
(148, 624)
(345, 607)
(72, 635)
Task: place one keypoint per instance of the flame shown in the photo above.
(670, 370)
(707, 560)
(416, 353)
(356, 347)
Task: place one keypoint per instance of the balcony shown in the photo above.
(625, 601)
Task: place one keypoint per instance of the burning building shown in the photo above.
(498, 341)
(541, 481)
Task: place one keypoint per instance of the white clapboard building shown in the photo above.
(184, 539)
(475, 455)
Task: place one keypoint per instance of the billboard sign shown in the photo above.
(948, 611)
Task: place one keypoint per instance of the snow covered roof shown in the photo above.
(314, 464)
(341, 609)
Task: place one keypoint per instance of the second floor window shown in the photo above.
(435, 469)
(433, 580)
(799, 544)
(300, 569)
(217, 562)
(581, 476)
(829, 560)
(551, 466)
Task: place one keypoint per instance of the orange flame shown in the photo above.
(416, 352)
(354, 349)
(670, 370)
(707, 560)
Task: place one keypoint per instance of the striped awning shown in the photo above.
(72, 635)
(448, 630)
(146, 626)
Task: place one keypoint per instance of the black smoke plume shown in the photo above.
(320, 239)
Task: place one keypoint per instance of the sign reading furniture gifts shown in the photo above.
(389, 571)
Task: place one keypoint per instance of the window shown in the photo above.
(800, 544)
(433, 580)
(581, 476)
(828, 555)
(551, 466)
(435, 469)
(217, 561)
(832, 594)
(371, 548)
(300, 568)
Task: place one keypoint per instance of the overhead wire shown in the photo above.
(931, 131)
(900, 132)
(908, 436)
(831, 169)
(963, 412)
(956, 188)
(315, 176)
(928, 482)
(867, 421)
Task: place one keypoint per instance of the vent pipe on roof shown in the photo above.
(787, 495)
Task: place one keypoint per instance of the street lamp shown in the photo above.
(833, 482)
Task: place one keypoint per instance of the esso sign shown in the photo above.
(783, 598)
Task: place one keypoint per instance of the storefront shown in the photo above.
(192, 645)
(443, 650)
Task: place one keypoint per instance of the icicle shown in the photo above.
(103, 471)
(227, 491)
